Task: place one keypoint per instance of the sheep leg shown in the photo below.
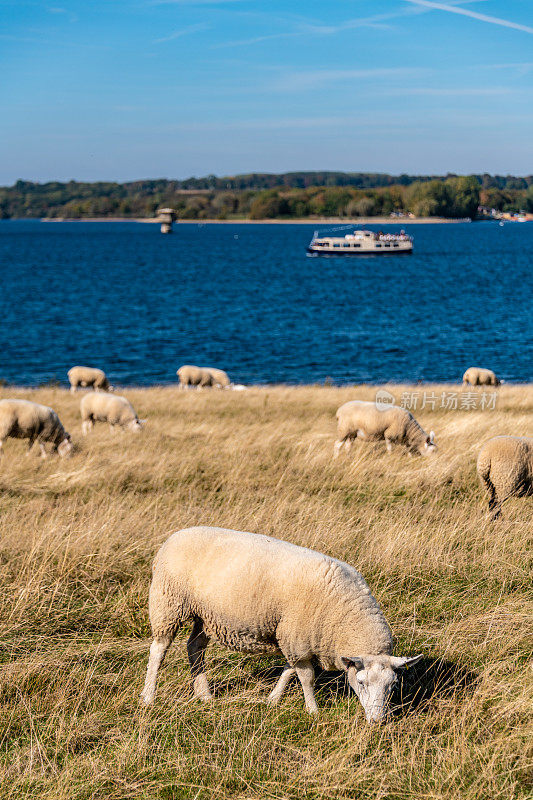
(86, 426)
(196, 646)
(337, 447)
(495, 507)
(158, 651)
(73, 389)
(388, 444)
(348, 445)
(30, 445)
(281, 685)
(1, 448)
(43, 450)
(306, 675)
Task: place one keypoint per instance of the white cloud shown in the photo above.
(504, 23)
(483, 91)
(200, 26)
(317, 78)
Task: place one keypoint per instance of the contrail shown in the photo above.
(504, 23)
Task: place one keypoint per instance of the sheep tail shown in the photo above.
(483, 470)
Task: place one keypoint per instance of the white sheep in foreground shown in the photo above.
(258, 594)
(359, 419)
(505, 469)
(88, 377)
(113, 409)
(24, 419)
(477, 376)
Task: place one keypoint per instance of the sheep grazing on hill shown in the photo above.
(258, 594)
(23, 419)
(505, 469)
(113, 409)
(358, 419)
(194, 376)
(476, 376)
(88, 377)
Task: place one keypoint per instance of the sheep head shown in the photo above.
(373, 678)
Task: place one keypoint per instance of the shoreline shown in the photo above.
(295, 221)
(375, 385)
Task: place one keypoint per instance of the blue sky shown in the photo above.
(120, 90)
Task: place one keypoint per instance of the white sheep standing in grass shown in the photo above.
(190, 375)
(477, 376)
(258, 594)
(24, 419)
(220, 378)
(505, 469)
(113, 409)
(359, 419)
(88, 377)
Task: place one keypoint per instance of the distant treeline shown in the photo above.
(256, 196)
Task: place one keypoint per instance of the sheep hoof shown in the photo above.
(272, 700)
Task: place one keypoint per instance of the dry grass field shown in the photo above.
(77, 537)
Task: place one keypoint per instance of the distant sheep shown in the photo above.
(358, 419)
(258, 594)
(505, 469)
(220, 378)
(88, 377)
(23, 419)
(476, 376)
(194, 376)
(113, 409)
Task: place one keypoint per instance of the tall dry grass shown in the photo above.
(76, 542)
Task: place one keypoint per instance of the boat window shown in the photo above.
(395, 244)
(378, 244)
(387, 244)
(356, 244)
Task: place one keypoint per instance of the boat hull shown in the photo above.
(321, 251)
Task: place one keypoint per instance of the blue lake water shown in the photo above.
(247, 298)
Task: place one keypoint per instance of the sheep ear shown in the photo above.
(431, 438)
(353, 661)
(405, 662)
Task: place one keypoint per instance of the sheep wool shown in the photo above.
(110, 408)
(88, 377)
(220, 378)
(505, 469)
(258, 594)
(190, 375)
(24, 419)
(477, 376)
(364, 420)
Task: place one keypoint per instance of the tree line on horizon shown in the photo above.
(262, 195)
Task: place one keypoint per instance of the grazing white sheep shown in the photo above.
(88, 377)
(113, 409)
(505, 469)
(23, 419)
(220, 378)
(359, 419)
(258, 594)
(477, 376)
(194, 376)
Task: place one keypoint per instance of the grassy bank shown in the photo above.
(77, 539)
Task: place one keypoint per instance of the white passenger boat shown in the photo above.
(361, 243)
